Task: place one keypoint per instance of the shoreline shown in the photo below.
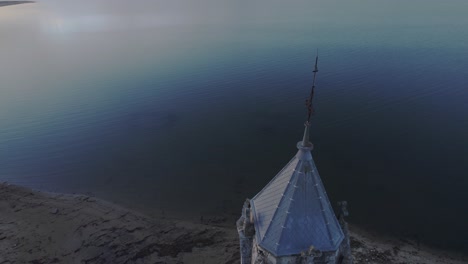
(8, 3)
(43, 227)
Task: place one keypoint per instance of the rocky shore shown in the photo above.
(40, 227)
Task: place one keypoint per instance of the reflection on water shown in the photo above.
(192, 107)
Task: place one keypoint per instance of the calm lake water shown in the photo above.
(192, 107)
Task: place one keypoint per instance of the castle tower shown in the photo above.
(291, 219)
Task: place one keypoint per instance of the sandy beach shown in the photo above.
(40, 227)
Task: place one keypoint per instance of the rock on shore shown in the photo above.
(38, 228)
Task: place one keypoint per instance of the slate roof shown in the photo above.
(293, 212)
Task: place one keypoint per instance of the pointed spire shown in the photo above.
(310, 107)
(305, 143)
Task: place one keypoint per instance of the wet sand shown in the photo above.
(41, 227)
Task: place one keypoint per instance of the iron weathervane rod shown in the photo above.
(310, 107)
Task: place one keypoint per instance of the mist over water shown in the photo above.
(194, 106)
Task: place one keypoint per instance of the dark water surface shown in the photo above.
(193, 107)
